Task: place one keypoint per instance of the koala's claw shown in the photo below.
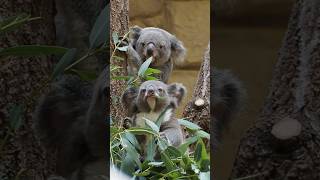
(127, 123)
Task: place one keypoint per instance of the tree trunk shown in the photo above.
(120, 24)
(285, 142)
(21, 80)
(198, 109)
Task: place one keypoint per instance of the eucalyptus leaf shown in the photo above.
(85, 75)
(115, 37)
(143, 68)
(66, 60)
(172, 152)
(203, 134)
(188, 124)
(13, 23)
(169, 164)
(99, 33)
(123, 48)
(32, 50)
(152, 125)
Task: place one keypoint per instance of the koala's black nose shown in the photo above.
(150, 49)
(150, 92)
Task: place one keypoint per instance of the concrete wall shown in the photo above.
(189, 20)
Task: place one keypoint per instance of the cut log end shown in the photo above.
(286, 129)
(199, 103)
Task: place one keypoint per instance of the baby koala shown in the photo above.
(151, 100)
(164, 48)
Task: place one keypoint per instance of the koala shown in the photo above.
(149, 101)
(164, 48)
(72, 118)
(227, 96)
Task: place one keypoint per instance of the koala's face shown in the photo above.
(153, 95)
(158, 44)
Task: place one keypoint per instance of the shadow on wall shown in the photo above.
(192, 28)
(246, 40)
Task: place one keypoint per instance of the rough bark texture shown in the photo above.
(20, 81)
(198, 109)
(269, 150)
(120, 25)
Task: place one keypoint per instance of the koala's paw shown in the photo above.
(127, 123)
(164, 136)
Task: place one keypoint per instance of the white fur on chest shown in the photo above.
(152, 116)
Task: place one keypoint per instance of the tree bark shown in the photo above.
(198, 109)
(120, 24)
(21, 79)
(285, 142)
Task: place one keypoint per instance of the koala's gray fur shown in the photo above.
(72, 117)
(167, 98)
(163, 47)
(227, 97)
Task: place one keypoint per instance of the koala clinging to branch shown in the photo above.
(152, 99)
(164, 48)
(72, 119)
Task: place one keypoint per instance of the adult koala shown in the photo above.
(164, 48)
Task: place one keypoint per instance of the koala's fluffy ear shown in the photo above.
(178, 51)
(177, 92)
(134, 35)
(129, 96)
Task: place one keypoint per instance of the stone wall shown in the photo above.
(189, 20)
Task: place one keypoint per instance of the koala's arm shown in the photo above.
(172, 131)
(228, 96)
(128, 100)
(134, 60)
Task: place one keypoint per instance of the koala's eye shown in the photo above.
(143, 44)
(161, 46)
(143, 90)
(160, 90)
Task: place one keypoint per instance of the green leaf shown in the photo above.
(184, 147)
(162, 144)
(132, 139)
(152, 125)
(169, 164)
(188, 124)
(151, 71)
(141, 131)
(130, 149)
(144, 67)
(15, 22)
(203, 134)
(123, 48)
(15, 116)
(204, 175)
(128, 165)
(148, 78)
(99, 33)
(125, 78)
(115, 37)
(172, 152)
(201, 156)
(85, 75)
(156, 164)
(151, 149)
(32, 50)
(66, 59)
